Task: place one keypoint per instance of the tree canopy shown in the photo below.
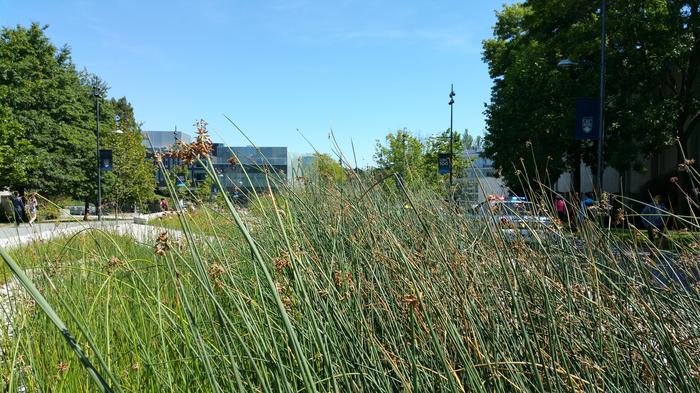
(133, 178)
(38, 82)
(402, 154)
(48, 122)
(415, 160)
(653, 60)
(435, 145)
(16, 154)
(327, 169)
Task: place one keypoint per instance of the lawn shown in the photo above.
(677, 241)
(206, 220)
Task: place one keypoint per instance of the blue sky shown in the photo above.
(362, 68)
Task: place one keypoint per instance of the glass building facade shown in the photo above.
(241, 169)
(244, 168)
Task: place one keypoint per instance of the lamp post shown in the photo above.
(452, 101)
(96, 93)
(567, 63)
(403, 155)
(601, 126)
(117, 119)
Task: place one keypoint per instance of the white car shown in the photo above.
(516, 217)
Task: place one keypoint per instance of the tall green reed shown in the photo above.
(351, 287)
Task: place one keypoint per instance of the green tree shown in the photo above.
(402, 153)
(132, 181)
(38, 82)
(652, 91)
(328, 170)
(441, 144)
(203, 189)
(16, 154)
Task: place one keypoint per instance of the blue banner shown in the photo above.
(587, 118)
(443, 163)
(105, 160)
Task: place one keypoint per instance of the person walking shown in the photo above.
(652, 217)
(587, 203)
(31, 208)
(17, 207)
(560, 207)
(163, 205)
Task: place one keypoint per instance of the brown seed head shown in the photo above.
(216, 270)
(114, 263)
(411, 301)
(281, 263)
(162, 244)
(287, 302)
(190, 152)
(62, 367)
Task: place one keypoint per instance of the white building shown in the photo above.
(481, 178)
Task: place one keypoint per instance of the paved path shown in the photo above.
(13, 236)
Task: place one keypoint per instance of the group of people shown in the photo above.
(653, 216)
(563, 209)
(24, 209)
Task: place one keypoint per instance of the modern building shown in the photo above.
(248, 168)
(241, 169)
(163, 139)
(655, 178)
(303, 166)
(481, 178)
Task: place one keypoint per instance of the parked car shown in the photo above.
(516, 217)
(79, 210)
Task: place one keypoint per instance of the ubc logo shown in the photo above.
(587, 124)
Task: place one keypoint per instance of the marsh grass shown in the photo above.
(207, 220)
(360, 287)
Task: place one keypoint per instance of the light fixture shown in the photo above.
(567, 63)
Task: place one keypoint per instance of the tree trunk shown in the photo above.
(576, 178)
(87, 210)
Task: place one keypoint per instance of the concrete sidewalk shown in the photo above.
(13, 236)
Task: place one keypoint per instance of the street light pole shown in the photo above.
(452, 101)
(566, 63)
(601, 125)
(403, 154)
(99, 171)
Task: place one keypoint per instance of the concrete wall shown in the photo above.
(633, 181)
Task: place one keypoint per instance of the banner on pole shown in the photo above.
(443, 163)
(105, 160)
(587, 118)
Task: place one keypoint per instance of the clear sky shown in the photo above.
(362, 68)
